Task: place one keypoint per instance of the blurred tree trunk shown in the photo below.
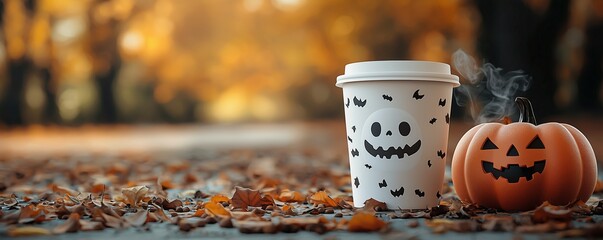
(543, 61)
(11, 106)
(589, 81)
(513, 36)
(51, 107)
(105, 82)
(103, 37)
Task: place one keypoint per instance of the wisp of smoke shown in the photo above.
(489, 88)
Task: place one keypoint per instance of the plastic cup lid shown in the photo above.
(397, 70)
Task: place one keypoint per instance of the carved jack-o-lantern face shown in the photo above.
(388, 126)
(517, 166)
(515, 163)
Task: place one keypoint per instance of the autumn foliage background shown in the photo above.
(73, 62)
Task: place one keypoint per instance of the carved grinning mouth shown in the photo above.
(391, 151)
(513, 172)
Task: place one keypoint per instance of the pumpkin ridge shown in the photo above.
(559, 149)
(458, 164)
(589, 163)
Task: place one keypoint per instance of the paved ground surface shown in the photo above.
(401, 231)
(39, 140)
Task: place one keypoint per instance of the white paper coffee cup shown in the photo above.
(397, 116)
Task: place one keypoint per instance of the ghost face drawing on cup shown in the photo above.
(391, 134)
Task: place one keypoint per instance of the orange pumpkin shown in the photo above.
(518, 166)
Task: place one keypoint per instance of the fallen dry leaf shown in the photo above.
(72, 224)
(226, 222)
(547, 212)
(190, 178)
(171, 205)
(64, 190)
(185, 226)
(581, 207)
(219, 198)
(137, 219)
(31, 213)
(496, 223)
(374, 205)
(288, 210)
(291, 196)
(106, 219)
(98, 188)
(167, 184)
(160, 214)
(152, 217)
(199, 213)
(321, 197)
(439, 226)
(109, 211)
(215, 209)
(91, 226)
(133, 195)
(245, 197)
(8, 200)
(28, 231)
(79, 209)
(365, 222)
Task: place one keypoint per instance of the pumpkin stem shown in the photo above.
(525, 110)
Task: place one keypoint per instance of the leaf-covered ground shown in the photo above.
(211, 193)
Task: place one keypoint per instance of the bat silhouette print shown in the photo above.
(441, 154)
(429, 163)
(355, 152)
(348, 103)
(383, 184)
(387, 97)
(438, 195)
(419, 193)
(447, 118)
(433, 120)
(397, 193)
(359, 103)
(354, 128)
(368, 166)
(356, 182)
(350, 139)
(442, 102)
(418, 96)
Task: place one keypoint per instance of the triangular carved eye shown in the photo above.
(488, 144)
(536, 144)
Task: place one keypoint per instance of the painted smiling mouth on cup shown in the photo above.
(391, 151)
(513, 172)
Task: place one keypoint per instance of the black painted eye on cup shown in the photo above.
(404, 128)
(376, 129)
